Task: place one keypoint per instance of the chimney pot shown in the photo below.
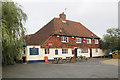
(62, 16)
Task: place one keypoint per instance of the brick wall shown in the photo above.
(56, 43)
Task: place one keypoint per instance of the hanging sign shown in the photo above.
(49, 44)
(84, 40)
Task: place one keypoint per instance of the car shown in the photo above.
(110, 54)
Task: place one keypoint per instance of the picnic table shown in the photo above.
(57, 60)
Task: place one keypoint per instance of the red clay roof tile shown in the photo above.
(57, 27)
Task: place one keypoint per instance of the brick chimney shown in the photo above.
(62, 16)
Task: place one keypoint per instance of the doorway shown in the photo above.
(90, 52)
(75, 52)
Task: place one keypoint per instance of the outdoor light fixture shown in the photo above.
(58, 36)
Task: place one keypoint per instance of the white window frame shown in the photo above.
(64, 39)
(89, 41)
(96, 41)
(48, 51)
(64, 51)
(78, 40)
(96, 50)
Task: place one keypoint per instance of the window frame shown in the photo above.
(89, 41)
(37, 51)
(47, 52)
(78, 40)
(96, 50)
(64, 39)
(64, 51)
(96, 41)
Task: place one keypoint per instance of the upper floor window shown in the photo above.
(64, 51)
(46, 51)
(78, 40)
(64, 39)
(88, 41)
(96, 41)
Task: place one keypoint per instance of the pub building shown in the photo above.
(62, 38)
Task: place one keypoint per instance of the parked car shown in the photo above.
(110, 54)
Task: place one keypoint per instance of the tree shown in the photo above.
(111, 40)
(13, 19)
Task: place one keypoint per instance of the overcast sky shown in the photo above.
(96, 15)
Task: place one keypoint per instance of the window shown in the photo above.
(78, 40)
(64, 39)
(73, 52)
(102, 51)
(34, 51)
(84, 50)
(46, 51)
(96, 50)
(88, 41)
(56, 52)
(64, 51)
(96, 41)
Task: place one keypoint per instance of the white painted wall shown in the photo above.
(51, 54)
(94, 53)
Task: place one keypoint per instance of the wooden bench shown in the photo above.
(57, 60)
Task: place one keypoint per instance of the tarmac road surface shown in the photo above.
(93, 68)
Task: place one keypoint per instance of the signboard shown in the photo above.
(49, 44)
(34, 51)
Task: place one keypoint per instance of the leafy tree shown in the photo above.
(13, 19)
(111, 40)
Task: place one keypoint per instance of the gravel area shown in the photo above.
(111, 62)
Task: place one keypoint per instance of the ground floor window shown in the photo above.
(96, 50)
(34, 51)
(84, 50)
(73, 52)
(64, 51)
(46, 51)
(102, 51)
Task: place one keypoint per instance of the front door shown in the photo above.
(90, 52)
(56, 52)
(76, 53)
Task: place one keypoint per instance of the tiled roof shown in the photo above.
(26, 37)
(58, 27)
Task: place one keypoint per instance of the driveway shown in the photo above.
(93, 68)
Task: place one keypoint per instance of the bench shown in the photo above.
(57, 60)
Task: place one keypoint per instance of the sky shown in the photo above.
(96, 15)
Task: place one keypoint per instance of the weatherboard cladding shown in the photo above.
(70, 28)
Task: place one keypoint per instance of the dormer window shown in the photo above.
(64, 39)
(96, 41)
(78, 40)
(88, 41)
